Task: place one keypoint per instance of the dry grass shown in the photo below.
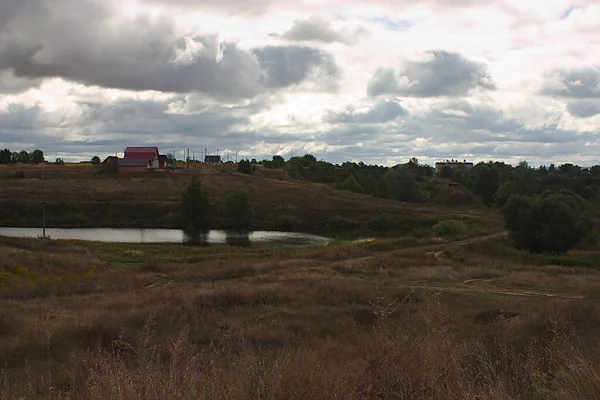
(78, 195)
(375, 321)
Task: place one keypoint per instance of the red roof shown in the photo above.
(148, 153)
(141, 150)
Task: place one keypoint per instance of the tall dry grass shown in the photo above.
(351, 322)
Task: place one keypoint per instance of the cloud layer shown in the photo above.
(379, 81)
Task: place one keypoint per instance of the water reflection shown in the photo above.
(118, 235)
(193, 237)
(238, 239)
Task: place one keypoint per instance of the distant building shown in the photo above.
(137, 159)
(455, 165)
(212, 159)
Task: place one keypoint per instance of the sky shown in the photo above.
(378, 81)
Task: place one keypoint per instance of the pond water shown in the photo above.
(118, 235)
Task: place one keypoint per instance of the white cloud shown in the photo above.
(92, 76)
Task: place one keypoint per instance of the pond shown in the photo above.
(118, 235)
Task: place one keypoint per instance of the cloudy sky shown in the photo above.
(373, 80)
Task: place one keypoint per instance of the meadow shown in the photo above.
(83, 196)
(406, 317)
(439, 306)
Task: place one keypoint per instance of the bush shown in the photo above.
(448, 227)
(239, 210)
(286, 221)
(352, 185)
(422, 232)
(245, 167)
(339, 222)
(383, 222)
(544, 224)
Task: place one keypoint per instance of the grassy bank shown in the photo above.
(395, 318)
(81, 196)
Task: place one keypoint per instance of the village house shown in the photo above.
(137, 159)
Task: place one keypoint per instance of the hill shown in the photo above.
(79, 195)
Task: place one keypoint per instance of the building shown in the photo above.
(455, 165)
(134, 165)
(142, 153)
(212, 159)
(137, 159)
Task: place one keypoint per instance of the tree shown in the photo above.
(95, 160)
(402, 186)
(5, 156)
(37, 157)
(59, 161)
(245, 167)
(485, 182)
(352, 185)
(239, 210)
(23, 157)
(278, 162)
(544, 224)
(196, 206)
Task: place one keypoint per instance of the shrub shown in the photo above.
(287, 221)
(352, 185)
(339, 222)
(544, 224)
(422, 232)
(448, 227)
(245, 167)
(383, 222)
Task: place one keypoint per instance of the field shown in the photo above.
(394, 318)
(436, 310)
(80, 196)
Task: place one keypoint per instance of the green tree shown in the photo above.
(5, 156)
(95, 160)
(352, 185)
(59, 161)
(485, 182)
(544, 224)
(239, 210)
(23, 157)
(403, 186)
(278, 162)
(37, 157)
(245, 167)
(196, 206)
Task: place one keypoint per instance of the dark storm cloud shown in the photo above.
(315, 30)
(10, 84)
(284, 66)
(382, 111)
(447, 74)
(79, 41)
(577, 83)
(583, 108)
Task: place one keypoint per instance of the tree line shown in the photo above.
(21, 157)
(546, 209)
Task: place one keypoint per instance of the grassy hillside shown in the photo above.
(78, 195)
(396, 318)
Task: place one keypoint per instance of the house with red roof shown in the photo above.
(138, 159)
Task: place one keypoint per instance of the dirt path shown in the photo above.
(470, 285)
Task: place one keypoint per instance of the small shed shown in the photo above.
(212, 159)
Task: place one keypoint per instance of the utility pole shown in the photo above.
(43, 220)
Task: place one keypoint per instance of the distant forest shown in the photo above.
(493, 182)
